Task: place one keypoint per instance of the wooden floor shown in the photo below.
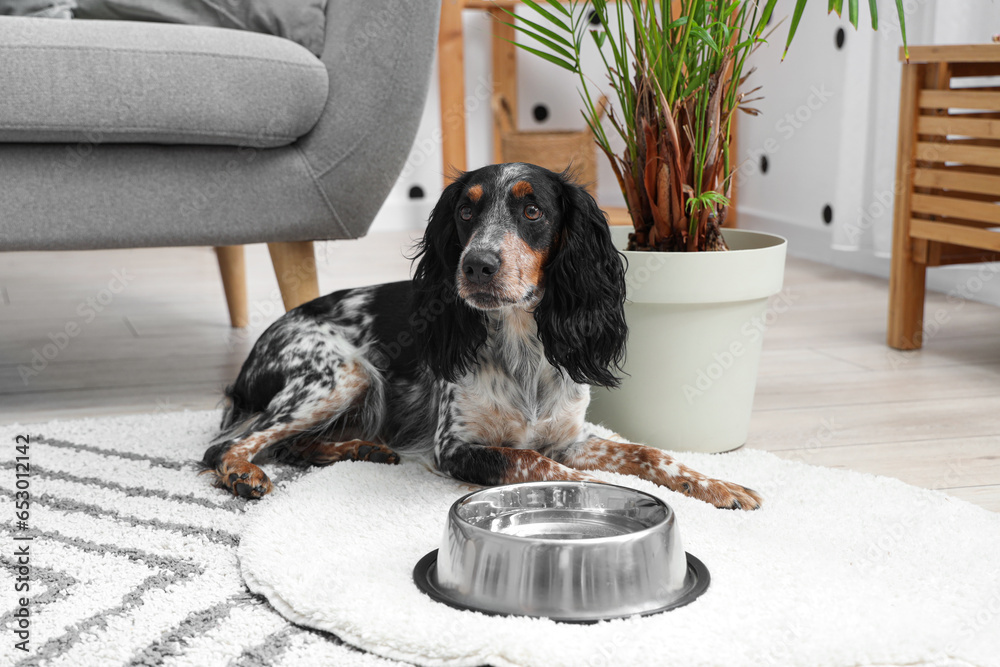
(127, 331)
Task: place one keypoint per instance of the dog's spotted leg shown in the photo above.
(352, 450)
(294, 411)
(655, 466)
(490, 466)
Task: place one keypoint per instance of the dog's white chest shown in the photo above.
(491, 409)
(515, 397)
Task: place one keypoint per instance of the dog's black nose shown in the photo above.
(479, 266)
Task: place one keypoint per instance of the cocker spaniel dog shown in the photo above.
(482, 360)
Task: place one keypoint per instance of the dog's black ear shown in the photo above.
(581, 317)
(446, 331)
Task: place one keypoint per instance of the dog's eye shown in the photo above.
(465, 212)
(531, 212)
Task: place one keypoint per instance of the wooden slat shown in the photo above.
(955, 207)
(970, 169)
(985, 115)
(984, 89)
(975, 69)
(967, 141)
(954, 220)
(956, 125)
(943, 254)
(968, 53)
(953, 180)
(959, 99)
(982, 156)
(957, 234)
(957, 194)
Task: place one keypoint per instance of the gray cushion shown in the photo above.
(329, 184)
(301, 21)
(112, 82)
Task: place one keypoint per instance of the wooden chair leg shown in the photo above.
(907, 282)
(907, 273)
(234, 281)
(295, 267)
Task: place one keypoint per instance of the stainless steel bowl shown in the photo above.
(570, 551)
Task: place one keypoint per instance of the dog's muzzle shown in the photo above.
(480, 266)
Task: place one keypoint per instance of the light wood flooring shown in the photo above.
(830, 392)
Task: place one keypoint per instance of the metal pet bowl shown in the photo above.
(571, 551)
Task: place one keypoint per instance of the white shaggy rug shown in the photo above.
(838, 568)
(133, 556)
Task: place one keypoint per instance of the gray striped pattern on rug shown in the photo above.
(133, 558)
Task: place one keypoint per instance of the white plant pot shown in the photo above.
(696, 323)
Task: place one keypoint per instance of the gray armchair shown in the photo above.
(127, 134)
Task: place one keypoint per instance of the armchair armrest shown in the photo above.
(378, 56)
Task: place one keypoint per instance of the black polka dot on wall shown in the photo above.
(540, 112)
(416, 192)
(827, 214)
(594, 18)
(763, 164)
(841, 36)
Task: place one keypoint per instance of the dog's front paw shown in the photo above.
(366, 451)
(725, 495)
(243, 479)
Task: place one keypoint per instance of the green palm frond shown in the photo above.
(852, 13)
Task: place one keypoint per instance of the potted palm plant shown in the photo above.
(697, 293)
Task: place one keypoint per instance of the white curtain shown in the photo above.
(869, 191)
